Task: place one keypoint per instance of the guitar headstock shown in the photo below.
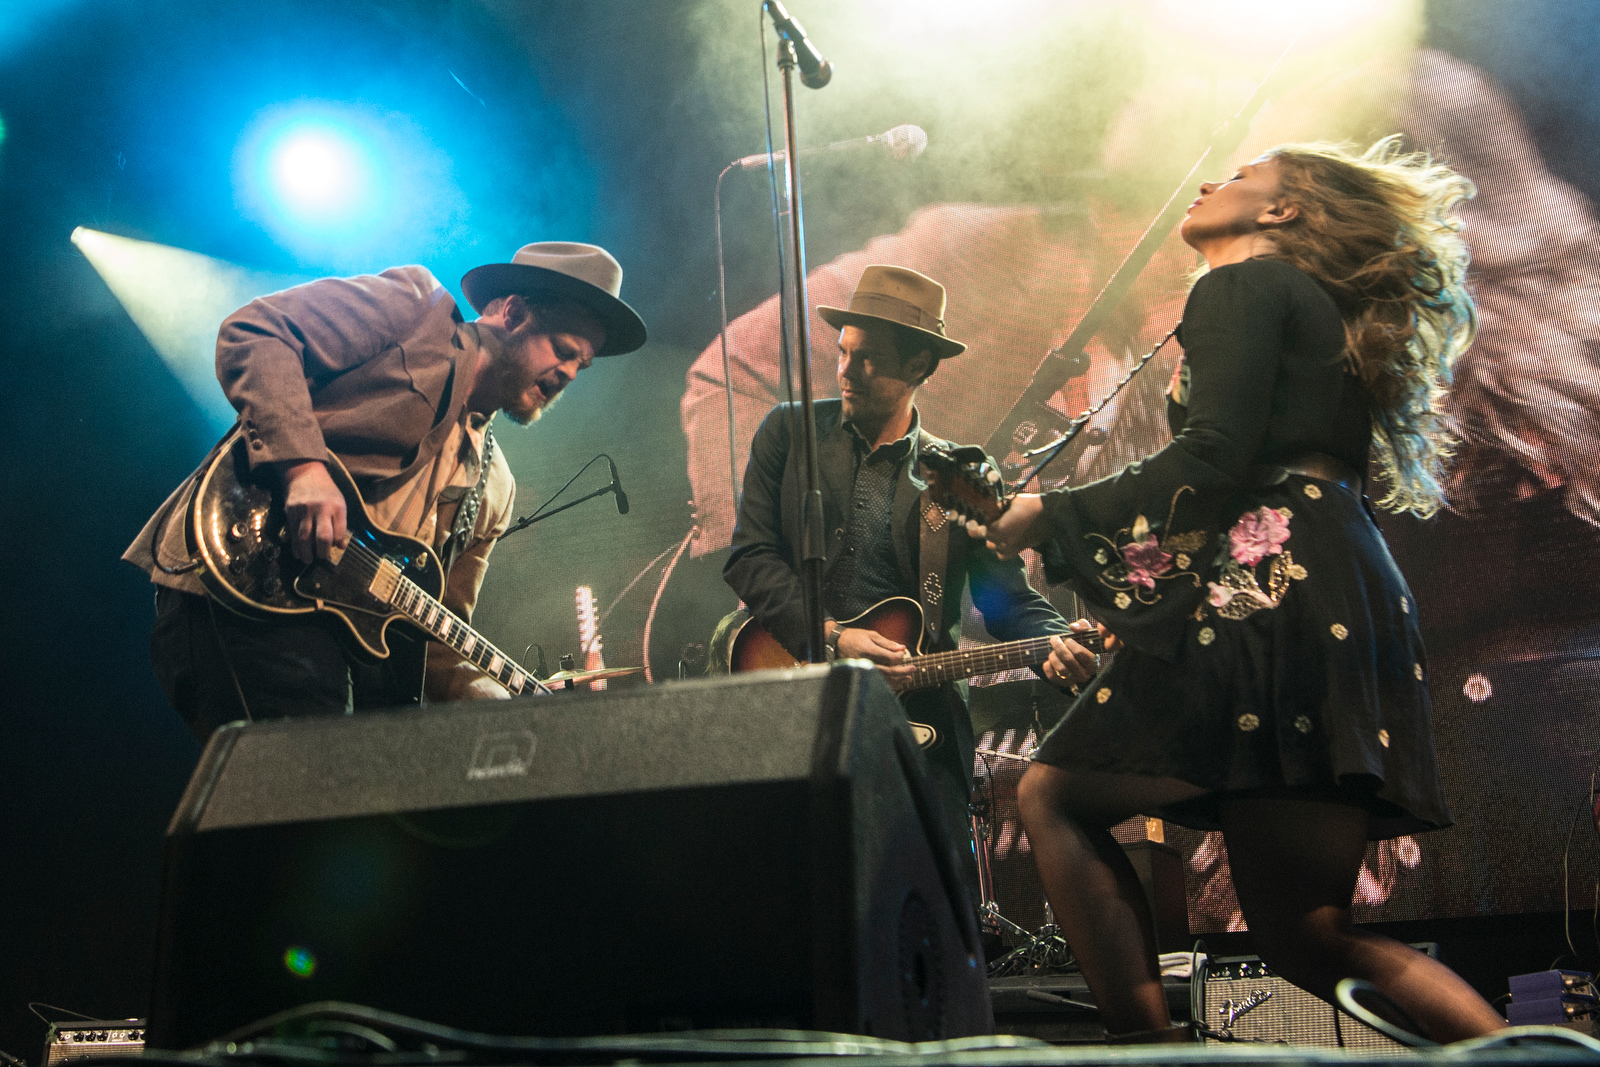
(964, 481)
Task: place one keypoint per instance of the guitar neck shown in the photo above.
(941, 667)
(445, 625)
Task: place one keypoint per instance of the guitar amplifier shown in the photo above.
(93, 1040)
(1240, 995)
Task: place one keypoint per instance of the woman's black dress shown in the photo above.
(1272, 644)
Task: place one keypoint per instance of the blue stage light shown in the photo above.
(317, 172)
(311, 174)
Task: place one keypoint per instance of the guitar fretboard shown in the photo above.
(395, 589)
(940, 667)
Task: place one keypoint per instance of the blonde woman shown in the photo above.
(1272, 682)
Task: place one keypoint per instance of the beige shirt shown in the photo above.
(424, 506)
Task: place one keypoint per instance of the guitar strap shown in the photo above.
(460, 534)
(933, 556)
(467, 513)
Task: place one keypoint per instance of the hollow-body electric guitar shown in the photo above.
(899, 619)
(235, 525)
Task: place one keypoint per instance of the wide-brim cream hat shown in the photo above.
(901, 296)
(587, 275)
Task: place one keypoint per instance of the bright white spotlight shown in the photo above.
(316, 170)
(345, 187)
(178, 299)
(310, 173)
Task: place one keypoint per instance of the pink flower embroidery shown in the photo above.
(1146, 562)
(1257, 535)
(1221, 596)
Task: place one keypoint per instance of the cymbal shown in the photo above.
(580, 677)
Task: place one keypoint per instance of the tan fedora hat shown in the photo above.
(585, 274)
(901, 296)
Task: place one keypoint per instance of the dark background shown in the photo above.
(604, 122)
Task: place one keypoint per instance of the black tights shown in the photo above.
(1294, 864)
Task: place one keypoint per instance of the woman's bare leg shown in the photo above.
(1295, 864)
(1092, 887)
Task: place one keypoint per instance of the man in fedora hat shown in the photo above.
(383, 372)
(891, 339)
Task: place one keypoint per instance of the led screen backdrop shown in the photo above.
(1055, 131)
(1504, 581)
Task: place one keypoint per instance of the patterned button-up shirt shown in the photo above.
(867, 571)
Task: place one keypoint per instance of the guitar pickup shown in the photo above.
(385, 582)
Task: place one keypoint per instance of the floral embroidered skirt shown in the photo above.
(1301, 673)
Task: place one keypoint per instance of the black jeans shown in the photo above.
(218, 667)
(950, 771)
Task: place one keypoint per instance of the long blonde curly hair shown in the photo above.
(1380, 231)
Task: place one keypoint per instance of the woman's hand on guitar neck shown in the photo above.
(314, 511)
(890, 656)
(1022, 525)
(1070, 664)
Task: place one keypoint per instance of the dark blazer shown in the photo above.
(764, 566)
(363, 367)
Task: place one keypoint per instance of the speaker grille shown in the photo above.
(1283, 1012)
(731, 853)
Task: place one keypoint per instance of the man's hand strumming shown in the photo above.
(314, 511)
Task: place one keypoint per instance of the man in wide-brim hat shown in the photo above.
(384, 373)
(878, 525)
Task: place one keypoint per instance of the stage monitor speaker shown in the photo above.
(763, 850)
(1243, 997)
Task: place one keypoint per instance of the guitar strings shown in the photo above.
(984, 656)
(1023, 648)
(371, 561)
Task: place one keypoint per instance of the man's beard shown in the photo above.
(521, 381)
(865, 407)
(528, 418)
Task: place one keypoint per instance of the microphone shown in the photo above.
(616, 487)
(902, 142)
(814, 70)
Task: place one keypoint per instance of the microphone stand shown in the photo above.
(812, 540)
(540, 516)
(1059, 362)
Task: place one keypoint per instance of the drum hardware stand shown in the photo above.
(1043, 951)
